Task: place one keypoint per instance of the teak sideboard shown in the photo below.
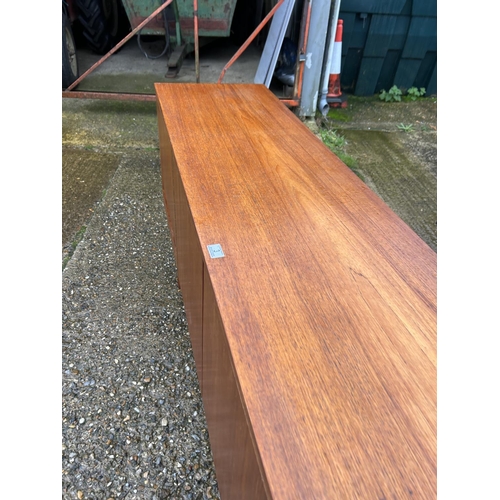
(311, 306)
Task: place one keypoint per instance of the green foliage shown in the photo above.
(414, 93)
(333, 140)
(337, 144)
(405, 128)
(393, 95)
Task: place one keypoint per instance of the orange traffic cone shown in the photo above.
(334, 96)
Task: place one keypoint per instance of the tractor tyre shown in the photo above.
(100, 23)
(69, 61)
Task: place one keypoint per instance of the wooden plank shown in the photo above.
(327, 300)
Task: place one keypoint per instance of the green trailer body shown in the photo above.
(214, 17)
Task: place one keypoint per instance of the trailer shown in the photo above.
(103, 23)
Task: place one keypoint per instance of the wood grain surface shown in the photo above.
(235, 455)
(326, 299)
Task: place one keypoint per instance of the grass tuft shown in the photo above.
(337, 144)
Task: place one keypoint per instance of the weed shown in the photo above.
(333, 140)
(337, 143)
(414, 93)
(78, 237)
(394, 94)
(405, 128)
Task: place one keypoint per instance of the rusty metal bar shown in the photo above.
(196, 42)
(109, 95)
(300, 73)
(118, 45)
(292, 103)
(249, 40)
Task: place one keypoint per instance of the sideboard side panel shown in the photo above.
(236, 462)
(187, 250)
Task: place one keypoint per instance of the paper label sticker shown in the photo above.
(215, 251)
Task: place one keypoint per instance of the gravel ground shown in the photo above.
(133, 424)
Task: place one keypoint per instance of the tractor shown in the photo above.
(99, 23)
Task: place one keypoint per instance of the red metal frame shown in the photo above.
(109, 95)
(249, 40)
(299, 73)
(196, 42)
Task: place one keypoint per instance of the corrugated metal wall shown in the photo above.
(389, 42)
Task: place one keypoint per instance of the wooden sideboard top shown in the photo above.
(328, 299)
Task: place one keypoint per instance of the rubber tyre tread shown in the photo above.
(68, 76)
(94, 26)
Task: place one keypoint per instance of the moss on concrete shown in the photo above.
(85, 176)
(109, 125)
(133, 84)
